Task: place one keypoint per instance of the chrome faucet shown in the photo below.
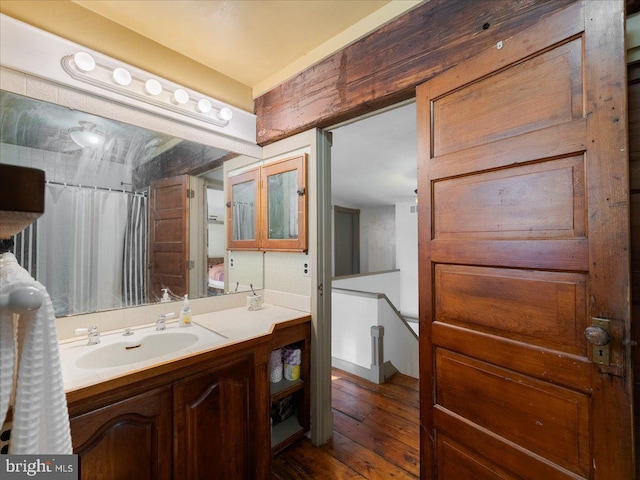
(94, 334)
(162, 318)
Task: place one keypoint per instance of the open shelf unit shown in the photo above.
(294, 427)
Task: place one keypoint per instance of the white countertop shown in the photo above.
(231, 326)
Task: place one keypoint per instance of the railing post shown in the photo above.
(377, 353)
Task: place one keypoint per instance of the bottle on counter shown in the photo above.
(185, 314)
(165, 295)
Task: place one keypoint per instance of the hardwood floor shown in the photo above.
(375, 434)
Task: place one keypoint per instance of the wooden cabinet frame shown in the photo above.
(261, 175)
(253, 244)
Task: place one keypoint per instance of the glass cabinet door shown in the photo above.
(243, 214)
(284, 203)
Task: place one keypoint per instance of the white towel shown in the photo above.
(40, 415)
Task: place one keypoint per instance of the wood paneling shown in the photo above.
(461, 463)
(509, 406)
(633, 77)
(506, 302)
(505, 106)
(543, 200)
(384, 67)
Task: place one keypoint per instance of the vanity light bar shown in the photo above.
(82, 66)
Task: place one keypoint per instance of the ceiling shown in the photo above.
(247, 40)
(373, 160)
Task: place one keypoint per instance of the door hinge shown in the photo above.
(191, 265)
(191, 193)
(321, 289)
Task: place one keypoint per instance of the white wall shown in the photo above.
(78, 168)
(387, 283)
(352, 319)
(407, 257)
(216, 231)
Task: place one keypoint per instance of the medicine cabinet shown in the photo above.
(267, 207)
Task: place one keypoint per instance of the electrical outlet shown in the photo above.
(230, 262)
(306, 267)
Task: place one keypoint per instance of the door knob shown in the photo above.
(597, 335)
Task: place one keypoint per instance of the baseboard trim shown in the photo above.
(374, 374)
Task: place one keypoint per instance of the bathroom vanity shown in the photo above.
(204, 414)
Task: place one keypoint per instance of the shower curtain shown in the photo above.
(81, 248)
(134, 259)
(243, 225)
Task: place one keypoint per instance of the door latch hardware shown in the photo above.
(599, 336)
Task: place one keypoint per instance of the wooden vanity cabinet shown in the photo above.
(127, 439)
(212, 423)
(206, 420)
(202, 417)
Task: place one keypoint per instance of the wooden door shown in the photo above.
(523, 236)
(129, 439)
(213, 430)
(169, 236)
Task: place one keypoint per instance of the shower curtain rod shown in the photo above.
(93, 187)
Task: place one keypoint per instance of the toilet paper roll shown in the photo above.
(292, 358)
(291, 372)
(275, 366)
(276, 374)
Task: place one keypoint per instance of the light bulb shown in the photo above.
(153, 87)
(84, 61)
(121, 76)
(180, 97)
(225, 114)
(203, 106)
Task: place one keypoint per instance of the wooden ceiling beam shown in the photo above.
(384, 67)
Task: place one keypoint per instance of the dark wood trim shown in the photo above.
(384, 67)
(179, 161)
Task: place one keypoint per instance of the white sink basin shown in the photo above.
(128, 350)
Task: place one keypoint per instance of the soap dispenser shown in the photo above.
(185, 314)
(165, 296)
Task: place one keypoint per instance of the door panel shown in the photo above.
(506, 303)
(543, 91)
(509, 405)
(540, 200)
(461, 463)
(523, 216)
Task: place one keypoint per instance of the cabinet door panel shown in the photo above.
(129, 439)
(243, 214)
(212, 423)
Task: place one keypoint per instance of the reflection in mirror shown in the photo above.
(283, 205)
(90, 248)
(244, 199)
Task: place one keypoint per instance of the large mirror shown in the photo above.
(104, 233)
